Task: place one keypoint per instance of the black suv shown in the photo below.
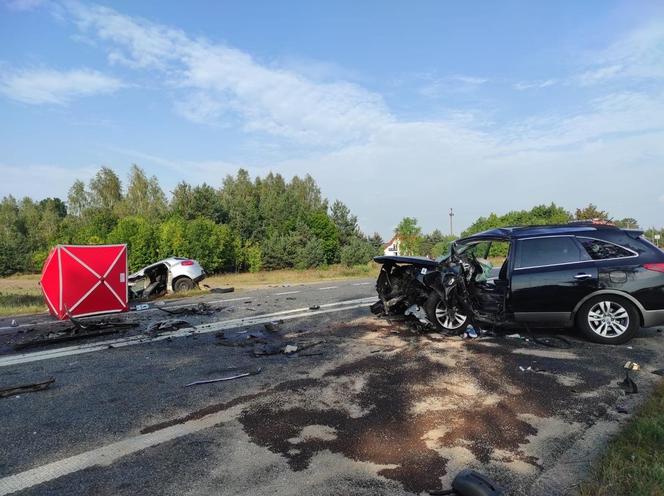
(606, 281)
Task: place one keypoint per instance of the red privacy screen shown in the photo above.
(85, 280)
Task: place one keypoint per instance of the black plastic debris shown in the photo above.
(26, 388)
(272, 326)
(199, 309)
(471, 483)
(659, 372)
(238, 375)
(221, 290)
(314, 307)
(628, 385)
(78, 331)
(156, 328)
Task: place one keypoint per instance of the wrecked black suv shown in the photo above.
(605, 281)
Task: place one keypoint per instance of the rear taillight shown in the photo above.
(187, 262)
(657, 267)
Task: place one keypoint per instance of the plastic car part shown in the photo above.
(471, 483)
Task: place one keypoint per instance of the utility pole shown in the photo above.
(451, 223)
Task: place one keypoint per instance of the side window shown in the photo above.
(601, 250)
(548, 251)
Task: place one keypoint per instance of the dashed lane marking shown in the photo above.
(286, 293)
(327, 287)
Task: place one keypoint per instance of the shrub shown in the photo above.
(357, 252)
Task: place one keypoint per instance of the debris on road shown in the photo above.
(659, 372)
(628, 385)
(632, 366)
(314, 307)
(470, 483)
(470, 333)
(272, 326)
(142, 306)
(156, 328)
(78, 331)
(26, 388)
(199, 309)
(14, 323)
(222, 290)
(221, 379)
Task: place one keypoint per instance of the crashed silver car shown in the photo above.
(173, 274)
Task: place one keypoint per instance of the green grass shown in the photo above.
(634, 462)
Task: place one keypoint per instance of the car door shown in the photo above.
(551, 275)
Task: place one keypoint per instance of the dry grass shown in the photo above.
(246, 280)
(20, 295)
(634, 461)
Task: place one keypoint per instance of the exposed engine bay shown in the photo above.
(447, 294)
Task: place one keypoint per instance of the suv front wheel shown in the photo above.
(608, 319)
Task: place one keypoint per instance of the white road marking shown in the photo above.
(327, 287)
(199, 329)
(286, 293)
(106, 455)
(130, 313)
(361, 283)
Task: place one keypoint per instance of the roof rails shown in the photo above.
(575, 223)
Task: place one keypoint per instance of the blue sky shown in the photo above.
(396, 108)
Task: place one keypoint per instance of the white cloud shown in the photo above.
(226, 80)
(638, 55)
(39, 86)
(23, 5)
(526, 85)
(386, 168)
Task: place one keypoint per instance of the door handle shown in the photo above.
(583, 276)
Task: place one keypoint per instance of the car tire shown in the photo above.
(608, 319)
(183, 283)
(437, 315)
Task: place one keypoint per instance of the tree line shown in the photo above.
(246, 224)
(264, 223)
(413, 242)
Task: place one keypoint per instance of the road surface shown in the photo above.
(362, 407)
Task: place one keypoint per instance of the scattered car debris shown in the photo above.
(222, 290)
(628, 385)
(156, 328)
(314, 307)
(228, 378)
(470, 483)
(142, 306)
(632, 366)
(272, 326)
(78, 331)
(26, 388)
(470, 333)
(659, 372)
(290, 348)
(621, 409)
(198, 309)
(14, 323)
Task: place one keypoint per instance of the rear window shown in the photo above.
(603, 250)
(548, 251)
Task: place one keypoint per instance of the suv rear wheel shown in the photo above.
(608, 319)
(440, 317)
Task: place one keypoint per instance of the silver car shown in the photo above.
(173, 274)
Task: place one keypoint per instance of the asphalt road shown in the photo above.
(362, 407)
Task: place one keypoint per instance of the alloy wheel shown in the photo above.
(449, 320)
(608, 319)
